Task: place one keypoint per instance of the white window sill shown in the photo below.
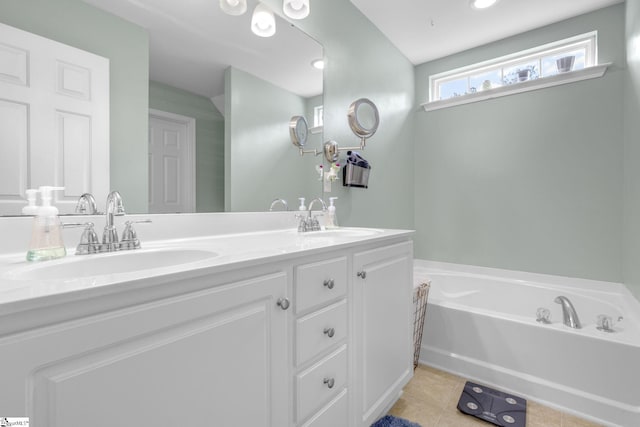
(559, 79)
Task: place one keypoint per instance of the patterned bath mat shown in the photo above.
(391, 421)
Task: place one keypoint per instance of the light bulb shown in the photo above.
(296, 9)
(233, 7)
(263, 23)
(482, 4)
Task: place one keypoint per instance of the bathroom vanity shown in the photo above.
(262, 328)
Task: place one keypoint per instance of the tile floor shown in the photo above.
(431, 397)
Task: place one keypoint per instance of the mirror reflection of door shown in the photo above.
(171, 163)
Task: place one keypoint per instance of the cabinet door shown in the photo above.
(213, 357)
(382, 307)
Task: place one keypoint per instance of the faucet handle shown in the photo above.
(543, 315)
(605, 323)
(89, 242)
(129, 236)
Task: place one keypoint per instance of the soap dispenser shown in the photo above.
(31, 208)
(46, 235)
(302, 207)
(332, 219)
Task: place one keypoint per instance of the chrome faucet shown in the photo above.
(110, 234)
(569, 315)
(86, 205)
(307, 222)
(281, 201)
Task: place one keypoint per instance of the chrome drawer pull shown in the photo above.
(362, 274)
(283, 303)
(330, 332)
(330, 382)
(329, 283)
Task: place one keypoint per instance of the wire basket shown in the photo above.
(420, 295)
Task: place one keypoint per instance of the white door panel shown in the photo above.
(60, 135)
(171, 163)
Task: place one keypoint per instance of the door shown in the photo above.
(54, 120)
(171, 163)
(383, 308)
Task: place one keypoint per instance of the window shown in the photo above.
(575, 53)
(318, 116)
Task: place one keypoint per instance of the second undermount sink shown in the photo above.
(343, 232)
(110, 263)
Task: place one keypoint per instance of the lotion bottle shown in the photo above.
(302, 207)
(332, 219)
(46, 235)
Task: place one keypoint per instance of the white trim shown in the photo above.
(587, 40)
(190, 143)
(527, 86)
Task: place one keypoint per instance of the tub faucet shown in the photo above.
(569, 315)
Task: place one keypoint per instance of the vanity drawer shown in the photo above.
(320, 330)
(320, 282)
(334, 414)
(322, 381)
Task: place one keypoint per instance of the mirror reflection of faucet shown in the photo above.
(276, 202)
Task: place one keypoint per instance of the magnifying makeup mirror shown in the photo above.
(363, 119)
(298, 130)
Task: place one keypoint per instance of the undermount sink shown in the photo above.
(343, 232)
(110, 263)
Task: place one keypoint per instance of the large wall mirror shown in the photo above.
(209, 79)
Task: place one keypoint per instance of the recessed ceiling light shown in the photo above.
(318, 63)
(482, 4)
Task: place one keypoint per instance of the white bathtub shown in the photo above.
(480, 324)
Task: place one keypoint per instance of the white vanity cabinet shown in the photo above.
(213, 356)
(382, 303)
(315, 337)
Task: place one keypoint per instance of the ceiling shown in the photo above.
(192, 43)
(424, 30)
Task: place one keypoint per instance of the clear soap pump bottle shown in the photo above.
(332, 219)
(46, 235)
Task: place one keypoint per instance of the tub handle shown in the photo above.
(543, 315)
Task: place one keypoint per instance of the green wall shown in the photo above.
(261, 164)
(127, 47)
(361, 62)
(209, 140)
(632, 149)
(531, 181)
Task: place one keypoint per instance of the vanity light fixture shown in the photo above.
(263, 23)
(233, 7)
(482, 4)
(318, 63)
(296, 9)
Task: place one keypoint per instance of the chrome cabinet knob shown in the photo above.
(362, 274)
(283, 303)
(330, 382)
(330, 332)
(329, 283)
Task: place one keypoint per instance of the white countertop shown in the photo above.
(21, 289)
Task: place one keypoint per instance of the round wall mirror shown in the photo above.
(298, 130)
(363, 118)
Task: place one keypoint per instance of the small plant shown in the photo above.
(529, 72)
